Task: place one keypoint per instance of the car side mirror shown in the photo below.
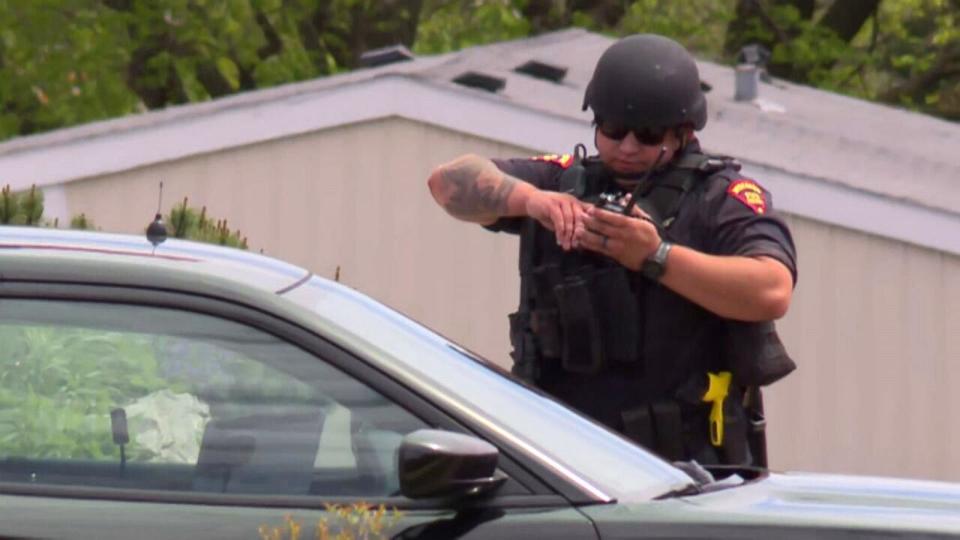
(435, 463)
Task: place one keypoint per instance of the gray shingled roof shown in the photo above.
(860, 144)
(852, 147)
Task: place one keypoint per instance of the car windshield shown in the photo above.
(563, 438)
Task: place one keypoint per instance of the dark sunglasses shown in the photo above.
(646, 135)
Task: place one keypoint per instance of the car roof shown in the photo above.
(121, 259)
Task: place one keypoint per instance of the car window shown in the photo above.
(122, 396)
(578, 448)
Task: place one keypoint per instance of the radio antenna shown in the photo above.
(157, 230)
(642, 184)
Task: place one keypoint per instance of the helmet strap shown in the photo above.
(685, 134)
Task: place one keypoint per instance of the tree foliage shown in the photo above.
(902, 52)
(65, 63)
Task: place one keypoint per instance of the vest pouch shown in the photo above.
(638, 425)
(545, 278)
(619, 314)
(546, 326)
(524, 354)
(657, 427)
(755, 354)
(581, 346)
(668, 426)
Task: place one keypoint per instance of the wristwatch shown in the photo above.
(656, 264)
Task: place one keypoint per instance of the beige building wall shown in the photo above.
(873, 325)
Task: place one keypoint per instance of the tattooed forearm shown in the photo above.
(476, 190)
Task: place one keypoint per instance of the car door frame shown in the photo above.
(543, 492)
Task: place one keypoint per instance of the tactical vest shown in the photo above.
(582, 312)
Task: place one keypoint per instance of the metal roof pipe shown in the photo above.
(747, 82)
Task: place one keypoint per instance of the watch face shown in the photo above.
(655, 265)
(652, 269)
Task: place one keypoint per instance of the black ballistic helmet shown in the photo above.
(646, 80)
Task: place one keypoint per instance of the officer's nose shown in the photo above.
(630, 144)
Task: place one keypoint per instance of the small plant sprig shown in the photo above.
(26, 208)
(358, 521)
(21, 208)
(186, 222)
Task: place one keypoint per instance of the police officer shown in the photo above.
(650, 272)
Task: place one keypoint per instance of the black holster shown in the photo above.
(754, 353)
(734, 448)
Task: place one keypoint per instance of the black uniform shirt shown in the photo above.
(725, 214)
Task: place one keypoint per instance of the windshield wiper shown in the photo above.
(699, 477)
(703, 478)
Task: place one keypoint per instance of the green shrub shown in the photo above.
(58, 386)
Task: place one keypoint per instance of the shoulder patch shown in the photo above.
(749, 193)
(563, 160)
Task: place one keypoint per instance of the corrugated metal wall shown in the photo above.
(875, 329)
(870, 326)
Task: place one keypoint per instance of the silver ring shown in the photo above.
(604, 243)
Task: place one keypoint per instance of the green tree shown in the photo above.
(917, 56)
(65, 63)
(903, 52)
(58, 65)
(451, 26)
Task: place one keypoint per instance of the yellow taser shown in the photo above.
(718, 384)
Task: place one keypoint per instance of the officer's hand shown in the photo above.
(628, 240)
(559, 212)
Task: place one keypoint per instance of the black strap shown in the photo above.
(664, 194)
(528, 240)
(757, 425)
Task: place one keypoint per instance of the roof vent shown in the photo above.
(751, 63)
(482, 81)
(385, 55)
(542, 70)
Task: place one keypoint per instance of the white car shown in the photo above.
(192, 391)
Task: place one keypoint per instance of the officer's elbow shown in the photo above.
(774, 301)
(439, 182)
(776, 304)
(435, 184)
(776, 294)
